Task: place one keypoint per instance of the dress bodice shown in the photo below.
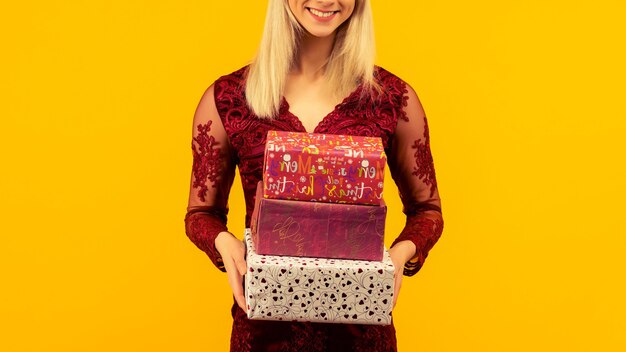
(247, 133)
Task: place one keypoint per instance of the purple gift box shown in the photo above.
(321, 230)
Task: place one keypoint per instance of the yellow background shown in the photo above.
(525, 101)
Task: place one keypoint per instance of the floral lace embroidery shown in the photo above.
(306, 338)
(201, 222)
(425, 169)
(376, 338)
(206, 160)
(424, 232)
(241, 338)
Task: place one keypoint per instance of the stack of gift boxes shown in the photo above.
(315, 249)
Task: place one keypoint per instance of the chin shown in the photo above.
(320, 33)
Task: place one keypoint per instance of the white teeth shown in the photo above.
(321, 14)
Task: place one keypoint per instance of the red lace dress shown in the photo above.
(227, 134)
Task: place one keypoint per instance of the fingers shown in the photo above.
(242, 267)
(396, 288)
(235, 281)
(232, 252)
(238, 255)
(238, 292)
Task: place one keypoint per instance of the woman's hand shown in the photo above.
(232, 251)
(401, 253)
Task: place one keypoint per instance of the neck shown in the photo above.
(313, 55)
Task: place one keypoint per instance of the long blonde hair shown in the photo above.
(351, 61)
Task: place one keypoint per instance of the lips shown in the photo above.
(321, 15)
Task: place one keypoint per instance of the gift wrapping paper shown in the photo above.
(318, 290)
(324, 167)
(313, 229)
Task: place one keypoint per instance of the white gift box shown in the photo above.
(318, 289)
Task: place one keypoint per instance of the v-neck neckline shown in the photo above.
(322, 122)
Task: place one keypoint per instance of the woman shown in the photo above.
(314, 72)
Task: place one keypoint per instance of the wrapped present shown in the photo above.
(324, 168)
(313, 229)
(318, 290)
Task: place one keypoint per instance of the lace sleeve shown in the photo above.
(412, 168)
(213, 172)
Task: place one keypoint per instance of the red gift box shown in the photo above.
(324, 168)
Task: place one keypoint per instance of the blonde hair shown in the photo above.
(351, 61)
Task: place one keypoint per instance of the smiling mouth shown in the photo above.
(321, 13)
